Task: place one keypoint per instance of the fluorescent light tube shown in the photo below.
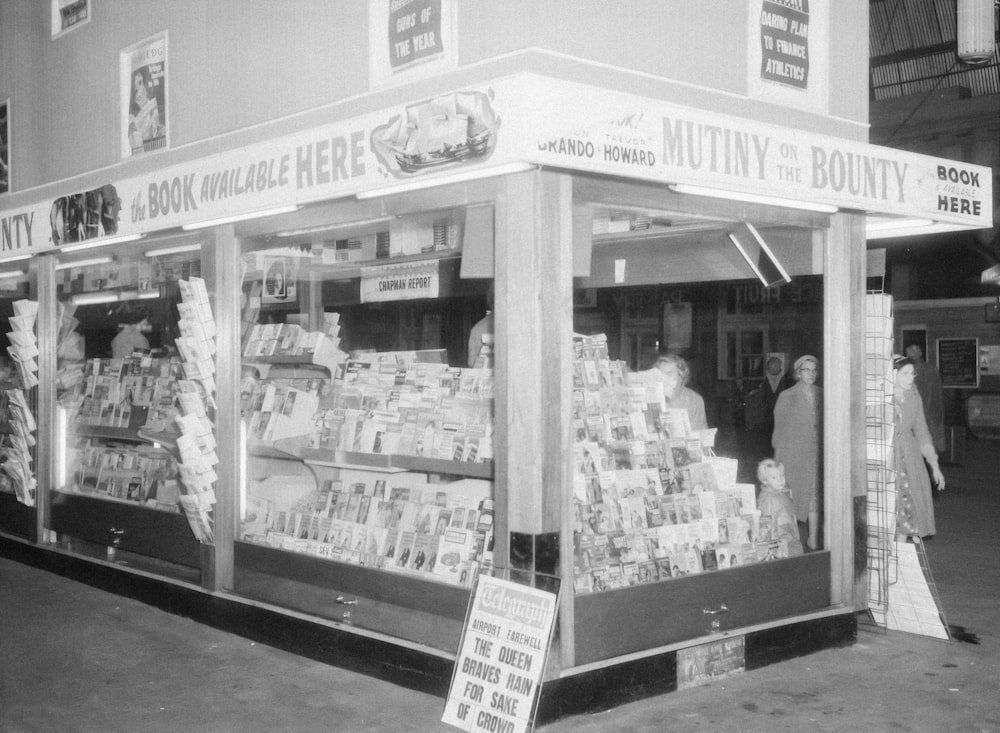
(15, 258)
(878, 227)
(173, 250)
(86, 263)
(100, 242)
(8, 274)
(334, 226)
(93, 298)
(232, 219)
(718, 193)
(460, 177)
(758, 255)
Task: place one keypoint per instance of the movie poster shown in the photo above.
(144, 97)
(5, 146)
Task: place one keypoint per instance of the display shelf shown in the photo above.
(106, 432)
(118, 294)
(296, 448)
(352, 270)
(299, 361)
(268, 449)
(128, 435)
(469, 469)
(166, 438)
(347, 459)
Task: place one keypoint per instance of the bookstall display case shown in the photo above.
(18, 402)
(134, 436)
(369, 437)
(398, 338)
(378, 456)
(313, 434)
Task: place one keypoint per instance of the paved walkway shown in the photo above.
(77, 659)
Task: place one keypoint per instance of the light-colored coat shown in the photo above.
(797, 440)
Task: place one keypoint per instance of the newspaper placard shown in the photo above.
(408, 281)
(144, 96)
(498, 671)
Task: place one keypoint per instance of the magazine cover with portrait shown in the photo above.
(279, 282)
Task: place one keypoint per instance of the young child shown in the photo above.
(775, 501)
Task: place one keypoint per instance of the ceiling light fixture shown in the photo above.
(233, 218)
(334, 226)
(461, 177)
(94, 298)
(15, 258)
(85, 263)
(174, 250)
(752, 198)
(9, 274)
(876, 225)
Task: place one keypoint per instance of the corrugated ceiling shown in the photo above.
(913, 50)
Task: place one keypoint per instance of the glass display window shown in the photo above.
(18, 397)
(367, 399)
(135, 394)
(668, 478)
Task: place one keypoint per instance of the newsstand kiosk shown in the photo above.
(309, 437)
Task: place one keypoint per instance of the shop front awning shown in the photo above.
(507, 124)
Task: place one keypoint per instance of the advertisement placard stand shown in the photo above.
(501, 658)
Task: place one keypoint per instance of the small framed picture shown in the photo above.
(68, 15)
(5, 146)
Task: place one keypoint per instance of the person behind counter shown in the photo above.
(131, 336)
(673, 371)
(481, 333)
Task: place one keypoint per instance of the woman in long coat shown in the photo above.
(798, 416)
(913, 445)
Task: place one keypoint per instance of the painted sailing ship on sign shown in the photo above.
(449, 129)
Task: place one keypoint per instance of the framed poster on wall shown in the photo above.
(5, 146)
(143, 70)
(68, 15)
(410, 40)
(788, 50)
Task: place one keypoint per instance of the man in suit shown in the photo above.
(928, 382)
(760, 405)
